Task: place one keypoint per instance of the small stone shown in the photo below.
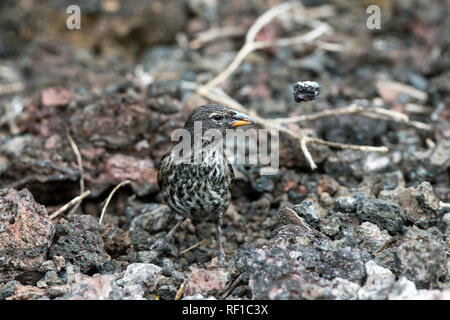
(405, 289)
(421, 257)
(198, 296)
(57, 291)
(384, 214)
(101, 287)
(330, 226)
(419, 204)
(8, 289)
(311, 210)
(26, 233)
(145, 275)
(343, 289)
(79, 241)
(369, 237)
(147, 256)
(60, 262)
(27, 293)
(207, 282)
(306, 91)
(327, 184)
(378, 284)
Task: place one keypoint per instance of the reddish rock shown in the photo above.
(100, 287)
(119, 167)
(327, 184)
(79, 241)
(52, 97)
(26, 233)
(207, 282)
(27, 293)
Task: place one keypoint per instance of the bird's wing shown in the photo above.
(162, 164)
(230, 169)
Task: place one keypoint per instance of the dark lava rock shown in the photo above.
(350, 166)
(26, 233)
(306, 91)
(311, 211)
(419, 205)
(148, 219)
(431, 165)
(384, 214)
(298, 264)
(369, 237)
(79, 241)
(381, 182)
(421, 257)
(8, 289)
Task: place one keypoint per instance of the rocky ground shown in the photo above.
(364, 225)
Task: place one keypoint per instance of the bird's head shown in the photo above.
(217, 116)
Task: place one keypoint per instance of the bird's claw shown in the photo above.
(221, 258)
(158, 245)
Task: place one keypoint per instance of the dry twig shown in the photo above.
(80, 168)
(213, 34)
(70, 203)
(192, 247)
(211, 91)
(181, 290)
(232, 286)
(110, 197)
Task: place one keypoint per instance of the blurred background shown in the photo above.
(130, 75)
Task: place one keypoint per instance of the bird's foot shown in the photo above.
(159, 244)
(221, 258)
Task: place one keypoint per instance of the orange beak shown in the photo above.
(240, 119)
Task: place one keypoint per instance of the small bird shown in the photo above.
(201, 190)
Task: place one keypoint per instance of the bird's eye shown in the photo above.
(217, 117)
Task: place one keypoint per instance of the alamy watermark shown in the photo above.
(374, 20)
(73, 21)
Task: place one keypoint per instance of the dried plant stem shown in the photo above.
(251, 45)
(211, 90)
(192, 247)
(214, 34)
(232, 286)
(75, 200)
(110, 197)
(10, 88)
(80, 168)
(220, 96)
(374, 113)
(181, 290)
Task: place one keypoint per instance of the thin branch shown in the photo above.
(192, 247)
(252, 45)
(375, 113)
(211, 90)
(10, 88)
(80, 167)
(109, 198)
(181, 290)
(75, 200)
(306, 152)
(346, 146)
(213, 34)
(232, 286)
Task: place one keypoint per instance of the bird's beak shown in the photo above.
(240, 119)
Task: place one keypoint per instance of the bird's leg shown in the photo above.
(162, 243)
(219, 236)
